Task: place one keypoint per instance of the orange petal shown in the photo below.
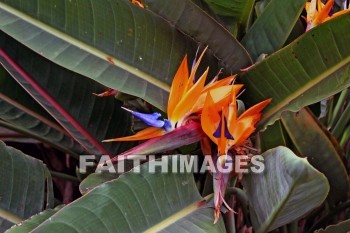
(255, 109)
(178, 86)
(137, 3)
(232, 111)
(190, 81)
(147, 133)
(337, 14)
(223, 82)
(245, 124)
(221, 97)
(184, 107)
(244, 128)
(320, 5)
(310, 8)
(323, 14)
(210, 118)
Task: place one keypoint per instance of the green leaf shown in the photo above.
(26, 116)
(194, 22)
(345, 137)
(94, 180)
(272, 137)
(10, 89)
(8, 135)
(240, 10)
(288, 188)
(342, 227)
(343, 121)
(33, 221)
(115, 43)
(308, 70)
(135, 203)
(22, 187)
(260, 7)
(69, 98)
(334, 114)
(272, 28)
(313, 141)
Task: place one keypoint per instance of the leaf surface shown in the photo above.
(23, 185)
(307, 71)
(288, 188)
(115, 43)
(313, 142)
(134, 203)
(68, 97)
(272, 28)
(193, 21)
(26, 116)
(33, 221)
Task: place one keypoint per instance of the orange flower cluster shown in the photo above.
(189, 97)
(214, 105)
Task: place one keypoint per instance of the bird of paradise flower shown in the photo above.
(215, 106)
(228, 131)
(186, 99)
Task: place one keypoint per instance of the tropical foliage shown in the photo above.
(253, 84)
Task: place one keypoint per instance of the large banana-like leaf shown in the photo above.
(68, 97)
(312, 142)
(26, 116)
(135, 203)
(193, 21)
(272, 28)
(22, 186)
(116, 43)
(34, 221)
(288, 188)
(308, 70)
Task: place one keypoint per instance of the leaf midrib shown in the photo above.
(33, 114)
(280, 207)
(87, 48)
(274, 110)
(9, 216)
(178, 215)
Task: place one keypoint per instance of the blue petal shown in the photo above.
(217, 132)
(151, 116)
(150, 119)
(167, 125)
